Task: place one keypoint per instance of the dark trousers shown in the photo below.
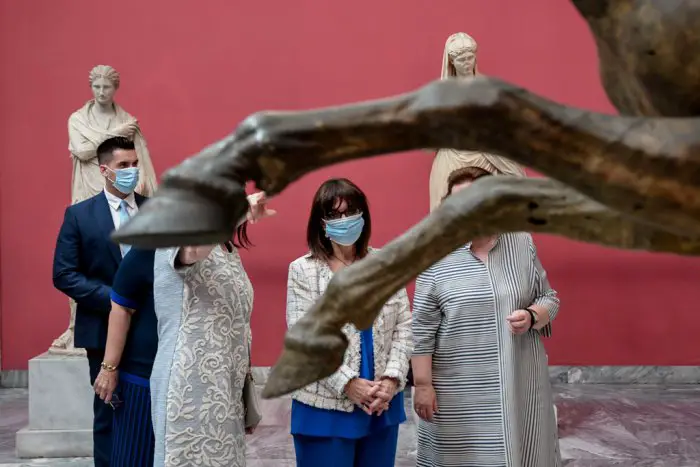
(375, 450)
(103, 415)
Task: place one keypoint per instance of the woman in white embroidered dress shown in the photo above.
(203, 300)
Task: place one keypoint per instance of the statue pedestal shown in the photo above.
(60, 408)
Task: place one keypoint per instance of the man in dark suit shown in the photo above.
(86, 260)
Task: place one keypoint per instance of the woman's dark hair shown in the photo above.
(327, 200)
(463, 175)
(240, 239)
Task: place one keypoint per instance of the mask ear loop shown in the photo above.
(107, 176)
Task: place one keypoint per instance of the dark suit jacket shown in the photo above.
(84, 264)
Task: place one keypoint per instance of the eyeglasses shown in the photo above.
(334, 215)
(115, 402)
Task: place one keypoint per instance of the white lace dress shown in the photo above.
(197, 381)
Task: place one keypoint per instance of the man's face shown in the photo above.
(121, 159)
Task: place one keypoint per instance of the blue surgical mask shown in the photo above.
(126, 180)
(346, 230)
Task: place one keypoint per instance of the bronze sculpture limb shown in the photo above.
(630, 181)
(314, 346)
(630, 164)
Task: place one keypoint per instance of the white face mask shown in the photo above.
(125, 180)
(346, 230)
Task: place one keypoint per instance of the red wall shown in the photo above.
(192, 70)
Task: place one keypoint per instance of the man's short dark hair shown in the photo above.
(105, 151)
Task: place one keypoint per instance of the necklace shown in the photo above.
(341, 260)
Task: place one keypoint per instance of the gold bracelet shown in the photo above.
(108, 367)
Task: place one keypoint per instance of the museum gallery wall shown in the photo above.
(190, 73)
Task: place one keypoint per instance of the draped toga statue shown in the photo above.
(99, 119)
(459, 61)
(628, 181)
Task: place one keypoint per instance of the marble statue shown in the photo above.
(628, 181)
(99, 119)
(459, 62)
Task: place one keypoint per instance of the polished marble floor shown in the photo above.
(600, 425)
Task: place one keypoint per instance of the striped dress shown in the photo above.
(493, 392)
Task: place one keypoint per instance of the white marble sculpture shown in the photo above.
(99, 119)
(459, 61)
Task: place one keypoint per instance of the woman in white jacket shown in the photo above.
(351, 418)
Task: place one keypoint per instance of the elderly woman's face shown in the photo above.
(103, 90)
(464, 64)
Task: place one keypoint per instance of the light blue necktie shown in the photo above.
(123, 219)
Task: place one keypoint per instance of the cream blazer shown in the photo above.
(391, 331)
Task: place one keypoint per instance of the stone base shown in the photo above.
(53, 443)
(60, 408)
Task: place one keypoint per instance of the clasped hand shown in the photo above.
(371, 396)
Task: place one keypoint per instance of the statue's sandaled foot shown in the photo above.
(64, 345)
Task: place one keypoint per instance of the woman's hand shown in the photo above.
(251, 430)
(519, 322)
(105, 384)
(384, 394)
(425, 403)
(362, 393)
(258, 207)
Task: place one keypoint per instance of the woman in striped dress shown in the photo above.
(480, 369)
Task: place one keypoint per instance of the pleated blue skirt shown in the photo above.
(132, 433)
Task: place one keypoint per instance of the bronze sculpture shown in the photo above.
(629, 181)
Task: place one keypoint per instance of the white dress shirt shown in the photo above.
(115, 204)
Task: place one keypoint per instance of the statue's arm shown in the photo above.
(80, 147)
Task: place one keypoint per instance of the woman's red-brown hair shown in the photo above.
(464, 175)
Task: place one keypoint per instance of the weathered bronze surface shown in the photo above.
(629, 181)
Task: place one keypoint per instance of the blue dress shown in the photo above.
(332, 438)
(133, 443)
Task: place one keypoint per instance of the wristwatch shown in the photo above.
(533, 317)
